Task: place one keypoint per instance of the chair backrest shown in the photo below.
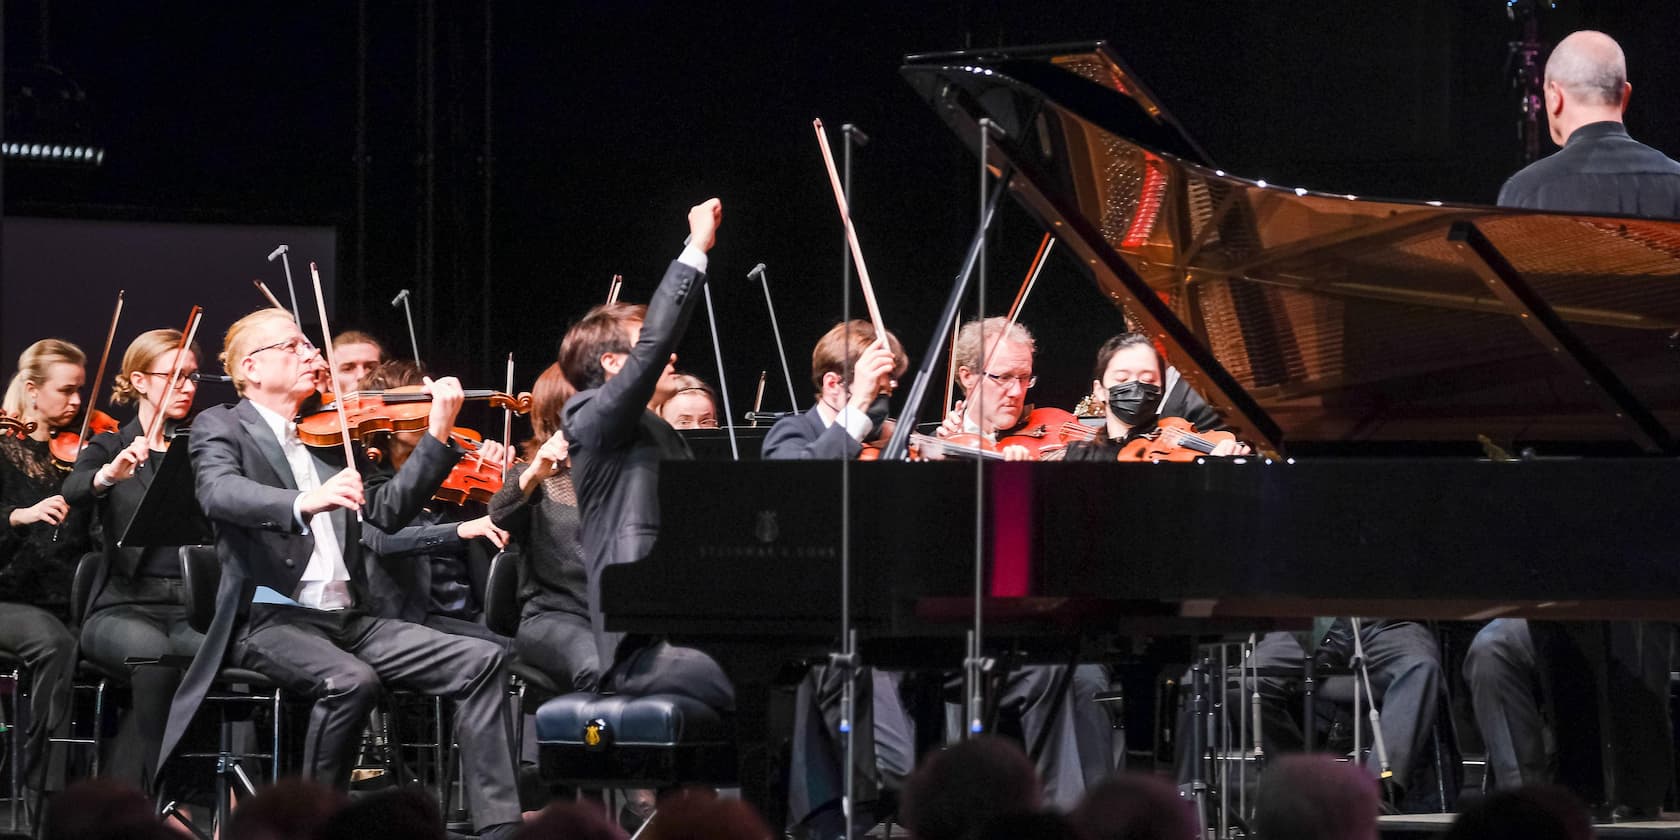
(201, 574)
(501, 593)
(81, 585)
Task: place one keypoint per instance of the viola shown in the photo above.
(66, 445)
(1046, 433)
(404, 409)
(1176, 439)
(472, 479)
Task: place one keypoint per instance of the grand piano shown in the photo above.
(1382, 356)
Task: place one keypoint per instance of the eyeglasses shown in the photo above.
(1007, 380)
(296, 346)
(186, 376)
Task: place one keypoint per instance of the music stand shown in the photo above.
(169, 513)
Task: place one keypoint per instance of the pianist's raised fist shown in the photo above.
(703, 221)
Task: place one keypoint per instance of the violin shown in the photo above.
(66, 445)
(404, 409)
(1175, 439)
(472, 479)
(10, 425)
(1046, 433)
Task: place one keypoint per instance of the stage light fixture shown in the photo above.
(52, 153)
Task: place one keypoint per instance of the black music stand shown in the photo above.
(169, 513)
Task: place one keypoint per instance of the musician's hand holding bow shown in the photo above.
(447, 396)
(492, 452)
(50, 510)
(343, 490)
(953, 422)
(548, 461)
(122, 467)
(872, 376)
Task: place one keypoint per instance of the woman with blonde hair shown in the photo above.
(35, 568)
(136, 610)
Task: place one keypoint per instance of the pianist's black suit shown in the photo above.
(616, 446)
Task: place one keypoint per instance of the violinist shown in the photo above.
(693, 406)
(430, 570)
(35, 570)
(1129, 377)
(994, 362)
(854, 371)
(538, 506)
(136, 610)
(620, 358)
(357, 354)
(287, 521)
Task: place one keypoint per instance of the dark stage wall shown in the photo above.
(609, 119)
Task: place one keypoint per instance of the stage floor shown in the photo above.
(1429, 825)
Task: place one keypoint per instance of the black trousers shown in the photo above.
(48, 652)
(148, 623)
(561, 645)
(343, 658)
(884, 740)
(1503, 674)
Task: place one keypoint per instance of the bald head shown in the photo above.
(1586, 82)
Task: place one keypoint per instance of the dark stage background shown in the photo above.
(588, 129)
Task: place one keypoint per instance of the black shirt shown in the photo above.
(1599, 170)
(34, 567)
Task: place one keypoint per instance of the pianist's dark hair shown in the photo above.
(1105, 354)
(604, 329)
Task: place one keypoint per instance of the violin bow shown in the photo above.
(99, 376)
(326, 346)
(1021, 294)
(154, 432)
(758, 399)
(851, 232)
(272, 300)
(507, 424)
(612, 295)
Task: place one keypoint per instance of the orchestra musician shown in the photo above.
(621, 357)
(1129, 377)
(357, 355)
(137, 611)
(853, 370)
(692, 406)
(35, 569)
(538, 506)
(1614, 750)
(429, 571)
(994, 360)
(287, 520)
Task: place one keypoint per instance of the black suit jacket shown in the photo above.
(113, 509)
(1600, 169)
(804, 437)
(617, 444)
(246, 488)
(399, 569)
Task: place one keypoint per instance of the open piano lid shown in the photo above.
(1312, 318)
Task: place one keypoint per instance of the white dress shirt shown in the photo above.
(325, 584)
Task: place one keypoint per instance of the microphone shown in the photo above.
(856, 133)
(277, 252)
(757, 273)
(398, 300)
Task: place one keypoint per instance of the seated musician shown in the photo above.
(136, 610)
(357, 354)
(1129, 375)
(430, 571)
(847, 412)
(693, 406)
(538, 506)
(995, 371)
(620, 357)
(287, 520)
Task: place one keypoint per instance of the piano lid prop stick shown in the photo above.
(758, 399)
(613, 290)
(851, 232)
(326, 344)
(272, 300)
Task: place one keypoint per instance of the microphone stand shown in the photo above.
(763, 280)
(976, 667)
(723, 384)
(1362, 671)
(408, 315)
(286, 262)
(846, 662)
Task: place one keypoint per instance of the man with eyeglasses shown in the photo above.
(288, 523)
(994, 361)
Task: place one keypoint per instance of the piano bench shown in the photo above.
(591, 740)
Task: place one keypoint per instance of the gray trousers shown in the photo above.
(561, 645)
(1072, 734)
(1504, 680)
(884, 740)
(342, 659)
(48, 652)
(116, 633)
(660, 667)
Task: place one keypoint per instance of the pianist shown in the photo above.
(621, 358)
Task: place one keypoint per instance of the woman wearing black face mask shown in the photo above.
(1132, 382)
